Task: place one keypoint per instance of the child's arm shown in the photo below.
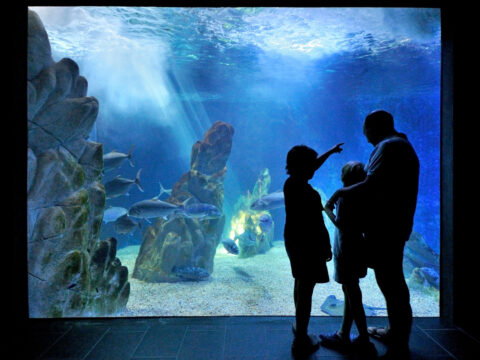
(332, 217)
(321, 159)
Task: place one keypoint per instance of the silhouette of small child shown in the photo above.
(306, 238)
(350, 263)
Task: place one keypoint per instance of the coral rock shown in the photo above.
(184, 242)
(39, 54)
(71, 272)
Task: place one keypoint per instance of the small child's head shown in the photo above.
(353, 172)
(301, 161)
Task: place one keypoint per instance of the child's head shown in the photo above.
(353, 172)
(301, 161)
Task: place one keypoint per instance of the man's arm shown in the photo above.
(355, 189)
(321, 159)
(374, 177)
(331, 215)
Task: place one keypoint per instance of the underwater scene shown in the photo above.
(157, 143)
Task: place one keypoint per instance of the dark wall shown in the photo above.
(14, 249)
(466, 249)
(464, 256)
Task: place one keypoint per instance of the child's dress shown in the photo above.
(349, 252)
(306, 238)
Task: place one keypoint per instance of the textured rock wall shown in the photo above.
(71, 272)
(184, 242)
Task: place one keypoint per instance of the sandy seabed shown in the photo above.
(260, 285)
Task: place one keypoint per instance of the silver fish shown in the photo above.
(230, 246)
(119, 186)
(152, 208)
(113, 213)
(265, 222)
(115, 159)
(197, 210)
(270, 201)
(126, 225)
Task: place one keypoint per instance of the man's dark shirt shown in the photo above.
(393, 172)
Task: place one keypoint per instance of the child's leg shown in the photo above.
(303, 292)
(347, 320)
(354, 295)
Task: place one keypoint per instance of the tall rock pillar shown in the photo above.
(70, 271)
(182, 242)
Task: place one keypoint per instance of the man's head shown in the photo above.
(377, 126)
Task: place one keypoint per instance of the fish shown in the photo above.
(270, 201)
(113, 213)
(126, 225)
(426, 276)
(431, 275)
(115, 159)
(163, 191)
(191, 273)
(245, 276)
(196, 210)
(119, 186)
(230, 246)
(265, 222)
(334, 307)
(153, 208)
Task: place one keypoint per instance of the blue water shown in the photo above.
(280, 76)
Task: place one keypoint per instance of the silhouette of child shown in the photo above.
(306, 238)
(350, 264)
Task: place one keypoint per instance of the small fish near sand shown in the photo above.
(153, 208)
(119, 186)
(115, 159)
(191, 273)
(334, 307)
(242, 274)
(270, 201)
(265, 222)
(230, 246)
(126, 225)
(113, 213)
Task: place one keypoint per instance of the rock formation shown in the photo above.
(421, 264)
(185, 243)
(71, 272)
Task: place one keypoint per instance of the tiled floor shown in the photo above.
(217, 338)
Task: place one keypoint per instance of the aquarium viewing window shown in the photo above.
(157, 140)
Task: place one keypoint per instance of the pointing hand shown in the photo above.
(337, 148)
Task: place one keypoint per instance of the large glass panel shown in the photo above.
(140, 199)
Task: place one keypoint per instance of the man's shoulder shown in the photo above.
(394, 142)
(398, 149)
(398, 139)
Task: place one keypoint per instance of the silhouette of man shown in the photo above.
(390, 190)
